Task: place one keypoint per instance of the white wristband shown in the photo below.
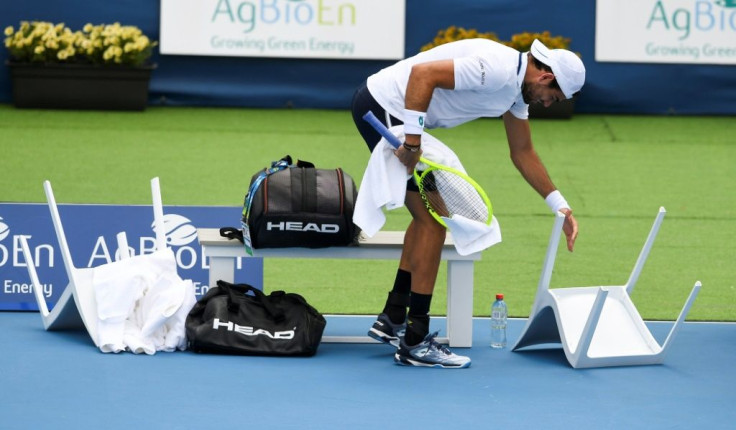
(413, 121)
(555, 201)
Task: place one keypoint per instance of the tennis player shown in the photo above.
(444, 87)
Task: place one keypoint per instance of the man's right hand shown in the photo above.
(408, 158)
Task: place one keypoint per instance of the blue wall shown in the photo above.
(261, 82)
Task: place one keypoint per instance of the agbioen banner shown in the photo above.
(91, 233)
(666, 31)
(336, 29)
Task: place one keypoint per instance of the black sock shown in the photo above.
(398, 298)
(419, 304)
(418, 321)
(417, 328)
(402, 282)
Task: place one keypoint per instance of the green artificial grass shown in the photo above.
(616, 171)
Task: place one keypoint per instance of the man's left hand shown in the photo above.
(570, 228)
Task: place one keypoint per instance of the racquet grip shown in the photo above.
(380, 128)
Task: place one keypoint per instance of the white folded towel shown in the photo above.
(471, 236)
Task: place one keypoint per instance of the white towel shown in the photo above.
(472, 236)
(140, 303)
(384, 181)
(384, 187)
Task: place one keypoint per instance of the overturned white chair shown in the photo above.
(597, 326)
(77, 308)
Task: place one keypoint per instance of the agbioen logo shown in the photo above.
(705, 16)
(178, 230)
(255, 13)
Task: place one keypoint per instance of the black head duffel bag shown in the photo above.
(299, 206)
(240, 319)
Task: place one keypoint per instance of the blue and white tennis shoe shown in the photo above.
(429, 353)
(385, 331)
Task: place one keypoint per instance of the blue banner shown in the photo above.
(91, 232)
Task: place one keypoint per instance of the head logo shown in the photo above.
(178, 230)
(4, 229)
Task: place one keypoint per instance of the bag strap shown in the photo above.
(275, 167)
(232, 233)
(232, 303)
(304, 189)
(305, 164)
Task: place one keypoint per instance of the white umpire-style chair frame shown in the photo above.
(77, 308)
(597, 326)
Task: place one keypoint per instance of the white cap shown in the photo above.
(567, 67)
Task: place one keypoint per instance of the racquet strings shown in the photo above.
(449, 194)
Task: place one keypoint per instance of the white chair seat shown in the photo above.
(596, 326)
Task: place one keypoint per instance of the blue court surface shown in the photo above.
(51, 380)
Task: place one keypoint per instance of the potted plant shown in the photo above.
(521, 42)
(99, 67)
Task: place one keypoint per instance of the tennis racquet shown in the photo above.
(446, 191)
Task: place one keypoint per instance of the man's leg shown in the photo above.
(420, 260)
(421, 257)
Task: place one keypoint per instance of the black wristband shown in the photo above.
(412, 148)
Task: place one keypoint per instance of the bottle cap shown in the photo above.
(499, 296)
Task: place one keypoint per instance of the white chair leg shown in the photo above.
(549, 258)
(680, 319)
(581, 353)
(60, 236)
(645, 251)
(158, 214)
(544, 280)
(37, 288)
(123, 250)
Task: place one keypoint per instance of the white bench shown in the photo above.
(386, 245)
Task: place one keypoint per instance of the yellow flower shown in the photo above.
(453, 33)
(520, 41)
(40, 41)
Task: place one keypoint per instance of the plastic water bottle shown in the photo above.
(499, 313)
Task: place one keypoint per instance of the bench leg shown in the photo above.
(222, 268)
(460, 303)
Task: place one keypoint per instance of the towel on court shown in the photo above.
(384, 187)
(142, 304)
